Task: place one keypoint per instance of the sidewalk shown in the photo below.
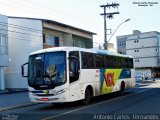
(11, 91)
(148, 83)
(14, 99)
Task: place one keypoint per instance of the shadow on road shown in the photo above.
(78, 104)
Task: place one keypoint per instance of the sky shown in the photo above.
(85, 14)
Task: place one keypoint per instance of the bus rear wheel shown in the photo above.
(87, 97)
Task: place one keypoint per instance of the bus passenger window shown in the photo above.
(87, 60)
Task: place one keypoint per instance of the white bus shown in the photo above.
(66, 74)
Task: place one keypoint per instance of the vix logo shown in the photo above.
(109, 78)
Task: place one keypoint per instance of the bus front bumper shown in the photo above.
(48, 98)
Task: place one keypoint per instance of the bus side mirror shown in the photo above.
(24, 70)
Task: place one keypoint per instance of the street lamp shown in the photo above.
(117, 28)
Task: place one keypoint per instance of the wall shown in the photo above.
(141, 42)
(145, 62)
(143, 52)
(25, 36)
(142, 74)
(68, 41)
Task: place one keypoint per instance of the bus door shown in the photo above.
(74, 66)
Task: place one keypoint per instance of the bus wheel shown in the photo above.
(122, 88)
(87, 97)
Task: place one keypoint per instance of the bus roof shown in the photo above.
(105, 52)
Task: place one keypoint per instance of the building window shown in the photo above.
(80, 44)
(118, 43)
(3, 44)
(136, 41)
(54, 41)
(137, 60)
(136, 50)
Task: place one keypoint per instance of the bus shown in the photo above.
(67, 74)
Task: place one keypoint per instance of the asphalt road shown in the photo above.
(137, 103)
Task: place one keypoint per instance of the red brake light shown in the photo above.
(44, 99)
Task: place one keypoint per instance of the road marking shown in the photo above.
(51, 117)
(17, 106)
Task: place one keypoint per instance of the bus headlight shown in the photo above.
(59, 92)
(32, 93)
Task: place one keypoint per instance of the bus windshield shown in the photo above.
(47, 70)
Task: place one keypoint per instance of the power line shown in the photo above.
(42, 11)
(48, 12)
(20, 32)
(35, 40)
(20, 27)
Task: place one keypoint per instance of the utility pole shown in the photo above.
(110, 16)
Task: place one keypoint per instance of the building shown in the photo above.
(101, 46)
(121, 42)
(4, 59)
(58, 34)
(145, 48)
(29, 34)
(111, 47)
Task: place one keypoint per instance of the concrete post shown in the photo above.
(2, 82)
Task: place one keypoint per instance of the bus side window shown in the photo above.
(123, 64)
(87, 60)
(74, 66)
(130, 62)
(98, 61)
(107, 61)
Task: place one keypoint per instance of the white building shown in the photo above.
(3, 49)
(24, 37)
(145, 48)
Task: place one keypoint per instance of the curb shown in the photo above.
(12, 91)
(17, 106)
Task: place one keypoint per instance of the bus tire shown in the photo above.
(122, 88)
(87, 97)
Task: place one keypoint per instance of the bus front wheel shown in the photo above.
(87, 97)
